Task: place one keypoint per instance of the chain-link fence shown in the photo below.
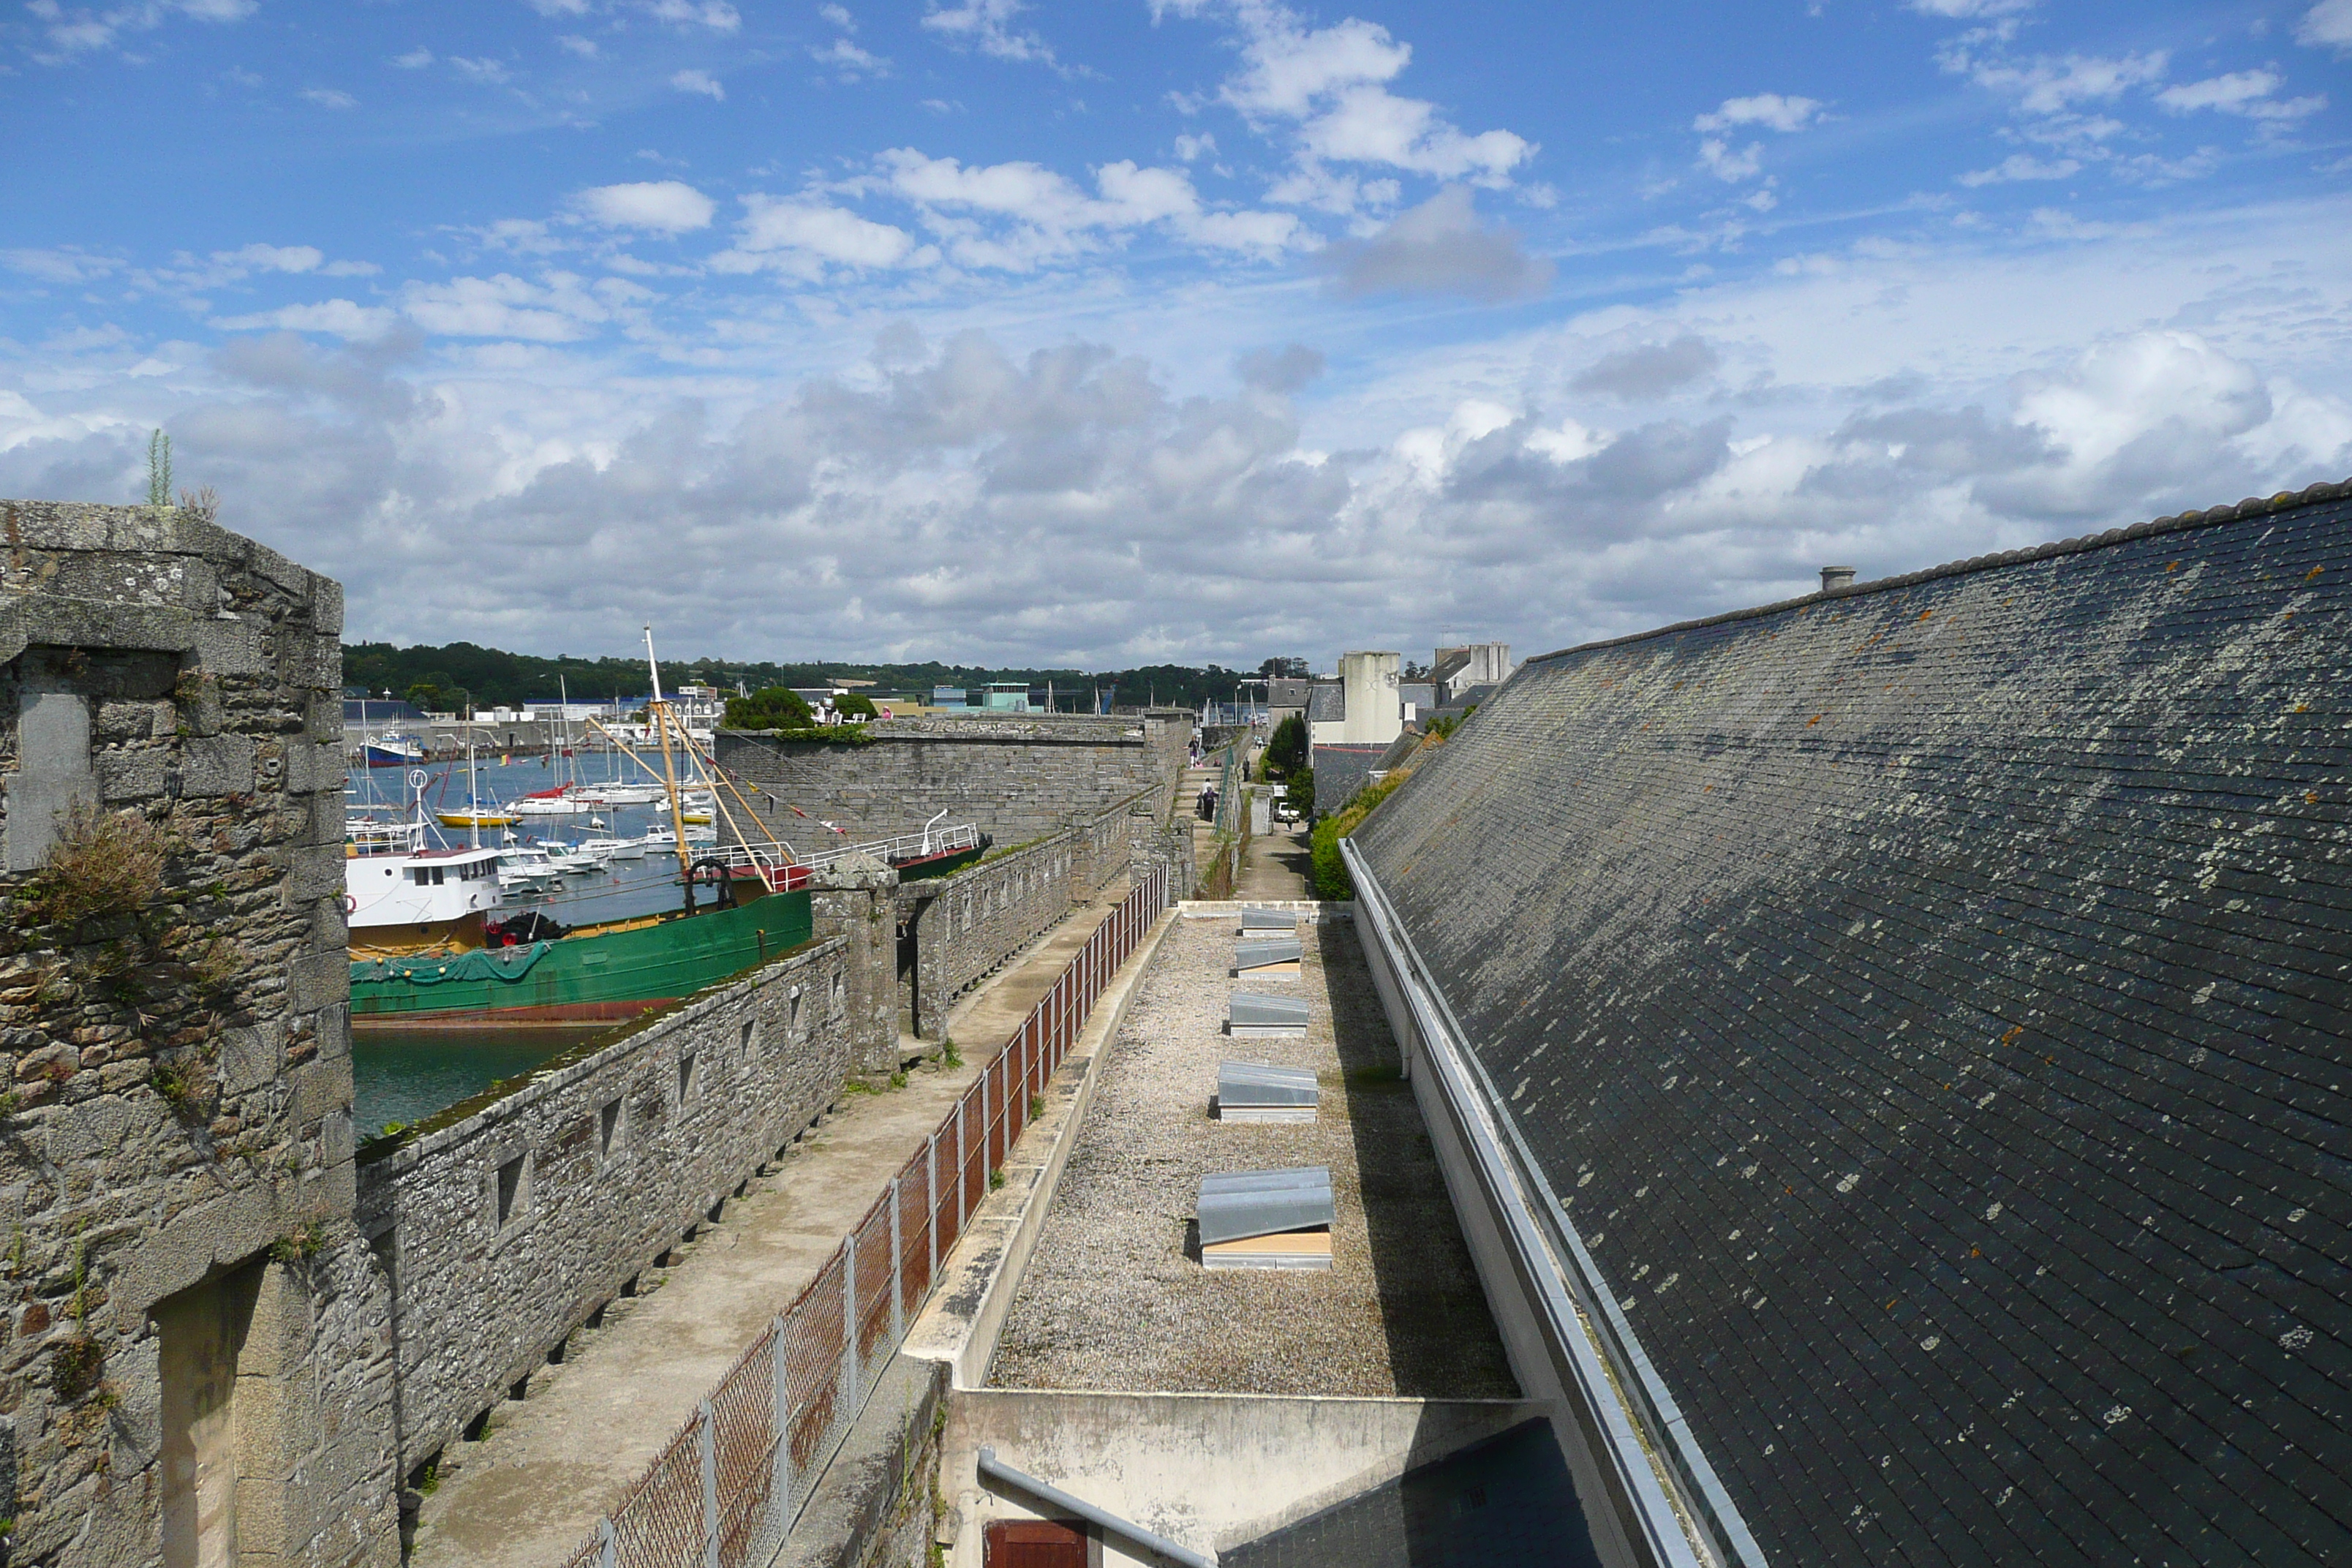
(725, 1490)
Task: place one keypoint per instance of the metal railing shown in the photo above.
(725, 1489)
(783, 875)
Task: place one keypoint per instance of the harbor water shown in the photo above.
(406, 1075)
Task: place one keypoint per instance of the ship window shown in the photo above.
(436, 876)
(418, 872)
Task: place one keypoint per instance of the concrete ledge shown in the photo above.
(879, 1483)
(1206, 1470)
(976, 1282)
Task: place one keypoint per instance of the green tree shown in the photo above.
(1286, 750)
(770, 707)
(855, 705)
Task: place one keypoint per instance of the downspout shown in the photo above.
(994, 1469)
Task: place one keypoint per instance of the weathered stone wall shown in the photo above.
(955, 932)
(507, 1224)
(1018, 777)
(179, 1066)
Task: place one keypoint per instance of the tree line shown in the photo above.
(448, 678)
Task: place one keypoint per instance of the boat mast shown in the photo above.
(473, 795)
(658, 710)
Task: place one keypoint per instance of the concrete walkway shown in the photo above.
(1276, 867)
(530, 1491)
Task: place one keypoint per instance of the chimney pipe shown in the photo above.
(1834, 577)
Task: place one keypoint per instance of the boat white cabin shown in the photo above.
(401, 893)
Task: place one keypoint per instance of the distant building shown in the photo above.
(1456, 669)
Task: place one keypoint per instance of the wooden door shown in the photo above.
(1033, 1543)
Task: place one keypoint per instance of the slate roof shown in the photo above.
(1326, 702)
(1930, 1000)
(1340, 772)
(1506, 1502)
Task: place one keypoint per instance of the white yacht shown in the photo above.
(402, 893)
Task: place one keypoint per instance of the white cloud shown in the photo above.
(806, 238)
(1332, 84)
(339, 317)
(2021, 166)
(67, 265)
(1191, 147)
(1719, 159)
(838, 16)
(1051, 217)
(573, 43)
(2045, 86)
(78, 29)
(1769, 109)
(488, 72)
(987, 26)
(699, 81)
(2327, 25)
(559, 310)
(416, 58)
(714, 15)
(328, 97)
(849, 59)
(1963, 9)
(272, 258)
(667, 206)
(2246, 92)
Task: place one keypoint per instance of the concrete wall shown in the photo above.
(180, 1073)
(1206, 1470)
(600, 1162)
(1018, 776)
(1374, 715)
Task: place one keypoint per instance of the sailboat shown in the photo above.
(475, 814)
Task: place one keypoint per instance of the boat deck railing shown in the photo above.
(771, 861)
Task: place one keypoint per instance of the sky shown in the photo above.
(1141, 330)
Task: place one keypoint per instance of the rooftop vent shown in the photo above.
(1253, 1017)
(1836, 577)
(1258, 1091)
(1275, 959)
(1259, 922)
(1266, 1219)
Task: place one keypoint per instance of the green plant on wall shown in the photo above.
(102, 862)
(159, 470)
(1330, 872)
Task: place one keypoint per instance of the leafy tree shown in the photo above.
(1286, 749)
(1299, 791)
(855, 705)
(1280, 669)
(770, 707)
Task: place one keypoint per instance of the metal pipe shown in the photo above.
(994, 1469)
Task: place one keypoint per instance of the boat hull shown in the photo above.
(591, 977)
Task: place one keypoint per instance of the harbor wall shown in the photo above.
(513, 1219)
(1017, 776)
(186, 1295)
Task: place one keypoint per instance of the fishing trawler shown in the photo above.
(480, 965)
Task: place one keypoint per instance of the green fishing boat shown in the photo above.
(591, 975)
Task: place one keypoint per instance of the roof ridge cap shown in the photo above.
(2253, 506)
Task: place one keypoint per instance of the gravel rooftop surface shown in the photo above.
(1112, 1300)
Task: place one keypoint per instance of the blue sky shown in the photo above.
(1122, 331)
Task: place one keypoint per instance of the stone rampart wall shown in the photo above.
(179, 1099)
(507, 1227)
(1018, 778)
(963, 928)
